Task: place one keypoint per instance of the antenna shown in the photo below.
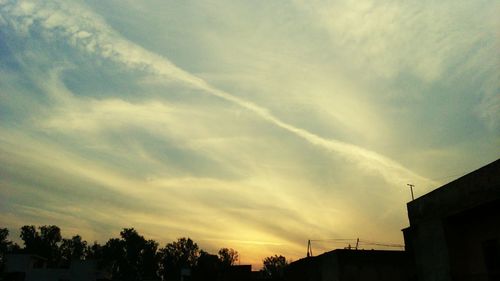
(411, 188)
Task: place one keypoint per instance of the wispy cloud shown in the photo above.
(83, 29)
(261, 135)
(383, 34)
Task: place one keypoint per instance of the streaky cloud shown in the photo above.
(85, 30)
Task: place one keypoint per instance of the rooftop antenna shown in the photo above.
(309, 249)
(411, 188)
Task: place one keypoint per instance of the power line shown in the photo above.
(339, 239)
(359, 242)
(382, 244)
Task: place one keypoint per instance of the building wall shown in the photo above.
(375, 265)
(454, 230)
(427, 242)
(27, 267)
(323, 267)
(330, 268)
(352, 265)
(23, 263)
(47, 274)
(470, 235)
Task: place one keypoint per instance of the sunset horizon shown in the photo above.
(250, 125)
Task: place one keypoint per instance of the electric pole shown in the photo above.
(309, 249)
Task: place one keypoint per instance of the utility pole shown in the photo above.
(411, 188)
(309, 249)
(357, 243)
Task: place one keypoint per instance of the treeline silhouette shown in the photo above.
(131, 257)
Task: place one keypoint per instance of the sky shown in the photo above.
(254, 125)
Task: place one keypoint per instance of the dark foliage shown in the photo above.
(208, 267)
(176, 257)
(73, 249)
(228, 257)
(131, 257)
(44, 243)
(274, 267)
(4, 246)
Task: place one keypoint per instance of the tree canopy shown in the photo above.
(177, 256)
(273, 267)
(131, 257)
(43, 242)
(228, 257)
(5, 246)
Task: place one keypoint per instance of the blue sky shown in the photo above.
(254, 125)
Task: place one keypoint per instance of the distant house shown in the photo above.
(25, 267)
(215, 273)
(352, 265)
(454, 231)
(237, 273)
(454, 234)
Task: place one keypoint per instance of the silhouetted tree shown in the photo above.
(133, 245)
(131, 258)
(228, 257)
(113, 257)
(182, 254)
(4, 246)
(149, 260)
(50, 236)
(95, 251)
(73, 249)
(273, 267)
(207, 268)
(43, 243)
(31, 239)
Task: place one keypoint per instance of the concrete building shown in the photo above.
(353, 265)
(454, 231)
(25, 267)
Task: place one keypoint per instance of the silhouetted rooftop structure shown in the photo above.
(26, 267)
(454, 234)
(238, 272)
(352, 265)
(454, 231)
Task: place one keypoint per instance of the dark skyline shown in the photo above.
(256, 126)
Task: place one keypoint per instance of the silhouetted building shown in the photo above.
(352, 265)
(25, 267)
(229, 273)
(238, 273)
(454, 231)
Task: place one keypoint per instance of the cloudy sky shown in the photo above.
(254, 125)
